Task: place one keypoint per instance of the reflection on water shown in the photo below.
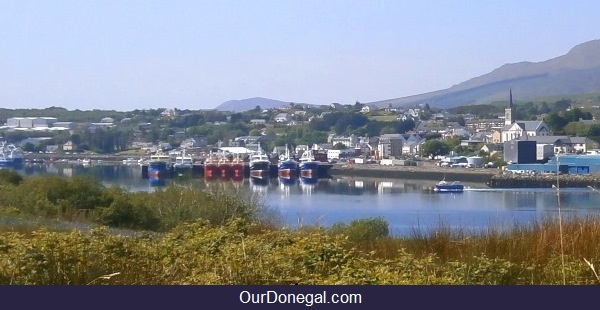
(405, 204)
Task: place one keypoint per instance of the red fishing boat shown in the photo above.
(237, 167)
(210, 167)
(224, 167)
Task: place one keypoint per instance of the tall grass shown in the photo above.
(215, 238)
(202, 253)
(83, 199)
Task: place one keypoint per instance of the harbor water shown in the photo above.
(407, 205)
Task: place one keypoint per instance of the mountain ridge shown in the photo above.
(576, 72)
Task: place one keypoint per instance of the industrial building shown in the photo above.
(571, 164)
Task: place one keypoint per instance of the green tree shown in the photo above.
(76, 139)
(561, 105)
(339, 146)
(254, 132)
(453, 142)
(556, 122)
(29, 147)
(577, 129)
(544, 108)
(404, 126)
(433, 148)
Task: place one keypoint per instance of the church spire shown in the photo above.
(508, 120)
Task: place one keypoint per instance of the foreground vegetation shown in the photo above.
(185, 236)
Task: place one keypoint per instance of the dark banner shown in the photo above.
(297, 297)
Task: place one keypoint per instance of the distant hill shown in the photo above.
(577, 72)
(250, 103)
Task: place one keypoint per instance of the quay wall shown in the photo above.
(415, 172)
(543, 181)
(493, 178)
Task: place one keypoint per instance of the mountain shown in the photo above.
(250, 103)
(575, 73)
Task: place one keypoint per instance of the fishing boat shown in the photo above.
(445, 187)
(259, 164)
(160, 156)
(287, 166)
(308, 166)
(210, 166)
(158, 169)
(10, 155)
(237, 167)
(183, 161)
(224, 167)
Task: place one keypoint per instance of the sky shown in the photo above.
(125, 55)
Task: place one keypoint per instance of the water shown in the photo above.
(405, 204)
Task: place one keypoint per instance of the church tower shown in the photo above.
(508, 111)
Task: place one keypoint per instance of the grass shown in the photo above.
(213, 238)
(239, 252)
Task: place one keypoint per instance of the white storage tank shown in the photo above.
(475, 161)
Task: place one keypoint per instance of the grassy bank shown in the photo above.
(187, 236)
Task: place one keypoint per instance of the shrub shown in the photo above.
(10, 177)
(363, 230)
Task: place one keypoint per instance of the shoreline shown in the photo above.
(428, 172)
(493, 178)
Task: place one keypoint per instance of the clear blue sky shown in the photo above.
(127, 55)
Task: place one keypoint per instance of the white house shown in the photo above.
(525, 129)
(369, 108)
(282, 118)
(350, 141)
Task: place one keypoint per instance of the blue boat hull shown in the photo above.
(449, 188)
(287, 168)
(157, 169)
(11, 163)
(309, 169)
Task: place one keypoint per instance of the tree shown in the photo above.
(453, 142)
(561, 105)
(433, 148)
(358, 106)
(556, 122)
(339, 146)
(76, 139)
(544, 108)
(28, 147)
(577, 129)
(404, 126)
